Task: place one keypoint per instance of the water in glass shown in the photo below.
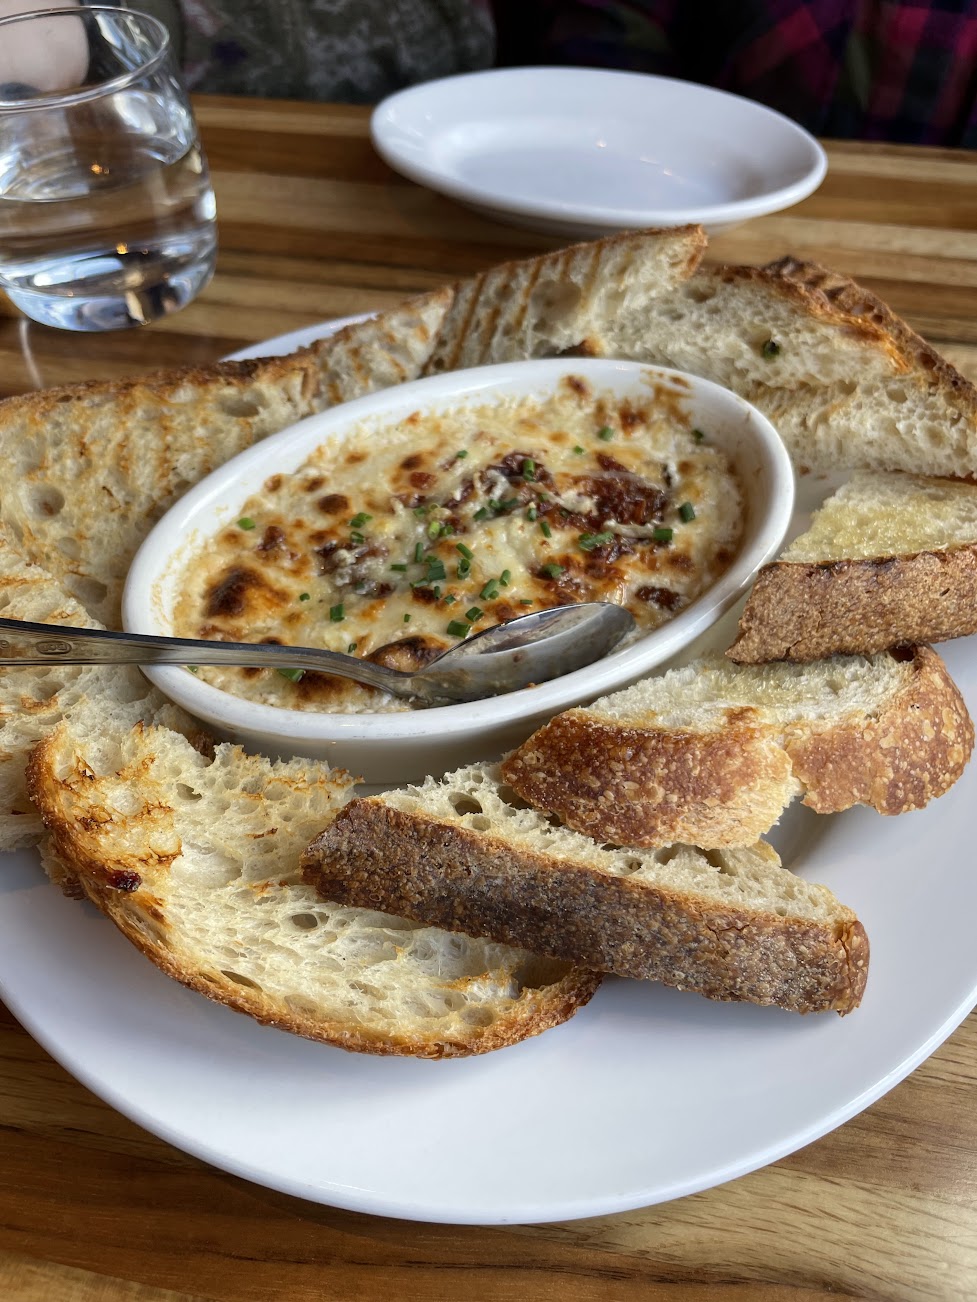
(107, 216)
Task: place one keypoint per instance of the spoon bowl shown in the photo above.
(531, 649)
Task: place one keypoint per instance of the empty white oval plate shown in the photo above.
(584, 151)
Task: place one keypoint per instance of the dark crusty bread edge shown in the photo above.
(807, 610)
(383, 858)
(538, 1009)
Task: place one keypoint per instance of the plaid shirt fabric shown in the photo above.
(867, 69)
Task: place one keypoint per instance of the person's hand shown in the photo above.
(32, 60)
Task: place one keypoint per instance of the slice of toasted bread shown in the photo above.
(845, 382)
(558, 302)
(711, 753)
(33, 700)
(196, 861)
(463, 853)
(888, 559)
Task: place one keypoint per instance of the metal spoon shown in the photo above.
(530, 649)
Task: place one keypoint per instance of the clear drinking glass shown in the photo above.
(107, 216)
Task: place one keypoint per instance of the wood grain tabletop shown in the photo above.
(93, 1209)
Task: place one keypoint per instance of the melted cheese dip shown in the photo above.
(394, 544)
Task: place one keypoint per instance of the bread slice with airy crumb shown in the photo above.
(33, 699)
(888, 559)
(846, 383)
(558, 302)
(464, 853)
(196, 861)
(712, 752)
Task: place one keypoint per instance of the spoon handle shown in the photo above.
(23, 643)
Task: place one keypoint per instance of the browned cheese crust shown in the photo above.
(378, 857)
(808, 610)
(914, 751)
(639, 787)
(141, 917)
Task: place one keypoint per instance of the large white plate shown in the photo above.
(584, 151)
(646, 1095)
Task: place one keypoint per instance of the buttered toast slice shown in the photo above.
(888, 559)
(196, 861)
(711, 753)
(465, 853)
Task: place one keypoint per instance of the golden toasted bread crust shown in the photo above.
(379, 857)
(809, 610)
(636, 786)
(126, 888)
(914, 751)
(827, 289)
(140, 919)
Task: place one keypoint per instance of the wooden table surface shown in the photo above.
(93, 1209)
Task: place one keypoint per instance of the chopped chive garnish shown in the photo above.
(401, 569)
(474, 613)
(461, 454)
(482, 513)
(532, 513)
(194, 669)
(508, 504)
(457, 629)
(356, 537)
(437, 593)
(450, 599)
(464, 569)
(605, 434)
(687, 511)
(663, 535)
(447, 530)
(305, 596)
(407, 619)
(579, 450)
(359, 520)
(421, 510)
(293, 675)
(245, 522)
(588, 541)
(337, 614)
(698, 435)
(529, 468)
(545, 529)
(351, 648)
(526, 601)
(552, 571)
(467, 552)
(434, 529)
(505, 578)
(435, 569)
(771, 348)
(418, 553)
(490, 591)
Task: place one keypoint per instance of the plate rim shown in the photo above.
(597, 216)
(430, 1211)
